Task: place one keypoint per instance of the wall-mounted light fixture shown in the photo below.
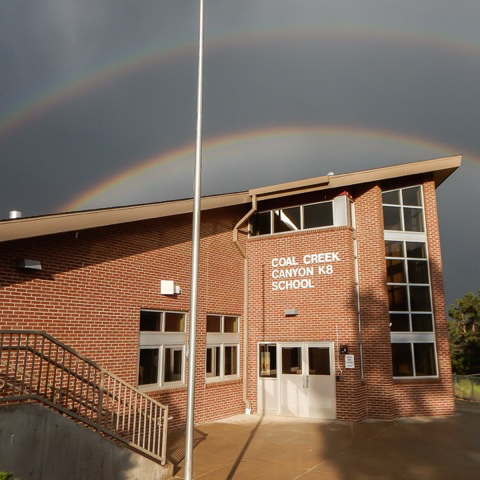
(291, 312)
(168, 287)
(26, 264)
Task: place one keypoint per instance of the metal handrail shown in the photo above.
(34, 366)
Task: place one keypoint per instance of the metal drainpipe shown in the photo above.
(245, 300)
(357, 287)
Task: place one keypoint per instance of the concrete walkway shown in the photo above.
(272, 447)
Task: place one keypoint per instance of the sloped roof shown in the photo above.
(36, 226)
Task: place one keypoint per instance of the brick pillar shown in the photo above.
(444, 402)
(377, 356)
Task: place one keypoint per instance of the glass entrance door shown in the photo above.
(320, 382)
(307, 380)
(292, 394)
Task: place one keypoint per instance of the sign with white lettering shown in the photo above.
(289, 274)
(349, 361)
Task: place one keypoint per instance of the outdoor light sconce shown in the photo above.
(168, 287)
(26, 264)
(291, 312)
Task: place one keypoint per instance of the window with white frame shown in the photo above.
(162, 349)
(291, 219)
(403, 209)
(408, 284)
(223, 347)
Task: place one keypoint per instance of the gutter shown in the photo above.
(248, 405)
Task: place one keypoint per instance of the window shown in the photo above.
(414, 359)
(403, 210)
(148, 370)
(408, 286)
(291, 360)
(268, 360)
(213, 362)
(292, 219)
(223, 349)
(162, 349)
(408, 283)
(318, 215)
(409, 297)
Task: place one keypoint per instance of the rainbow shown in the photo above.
(169, 161)
(41, 102)
(165, 163)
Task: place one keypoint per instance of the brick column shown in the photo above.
(377, 354)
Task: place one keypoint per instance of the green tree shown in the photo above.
(464, 331)
(6, 476)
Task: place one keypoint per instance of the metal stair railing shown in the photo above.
(34, 366)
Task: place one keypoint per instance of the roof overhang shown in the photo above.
(74, 221)
(29, 227)
(441, 169)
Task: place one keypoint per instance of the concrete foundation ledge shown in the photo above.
(39, 443)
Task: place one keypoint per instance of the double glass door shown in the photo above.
(304, 381)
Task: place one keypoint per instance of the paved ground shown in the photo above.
(282, 448)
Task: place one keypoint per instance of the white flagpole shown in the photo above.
(195, 255)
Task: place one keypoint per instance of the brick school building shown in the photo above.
(317, 298)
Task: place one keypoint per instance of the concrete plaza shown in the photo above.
(285, 448)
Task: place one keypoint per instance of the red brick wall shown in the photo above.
(374, 315)
(333, 303)
(323, 309)
(94, 283)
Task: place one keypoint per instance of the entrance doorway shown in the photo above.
(298, 379)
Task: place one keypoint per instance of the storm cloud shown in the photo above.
(92, 89)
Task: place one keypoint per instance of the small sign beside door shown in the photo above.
(349, 361)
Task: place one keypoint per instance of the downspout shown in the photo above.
(243, 253)
(357, 289)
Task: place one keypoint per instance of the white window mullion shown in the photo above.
(161, 363)
(414, 370)
(222, 361)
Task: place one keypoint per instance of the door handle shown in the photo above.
(306, 381)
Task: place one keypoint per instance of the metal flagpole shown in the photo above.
(195, 255)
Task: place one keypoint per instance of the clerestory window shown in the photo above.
(330, 213)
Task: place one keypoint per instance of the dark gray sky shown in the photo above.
(97, 101)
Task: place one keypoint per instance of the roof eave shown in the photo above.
(441, 169)
(29, 227)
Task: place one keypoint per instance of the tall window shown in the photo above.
(162, 349)
(408, 283)
(223, 347)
